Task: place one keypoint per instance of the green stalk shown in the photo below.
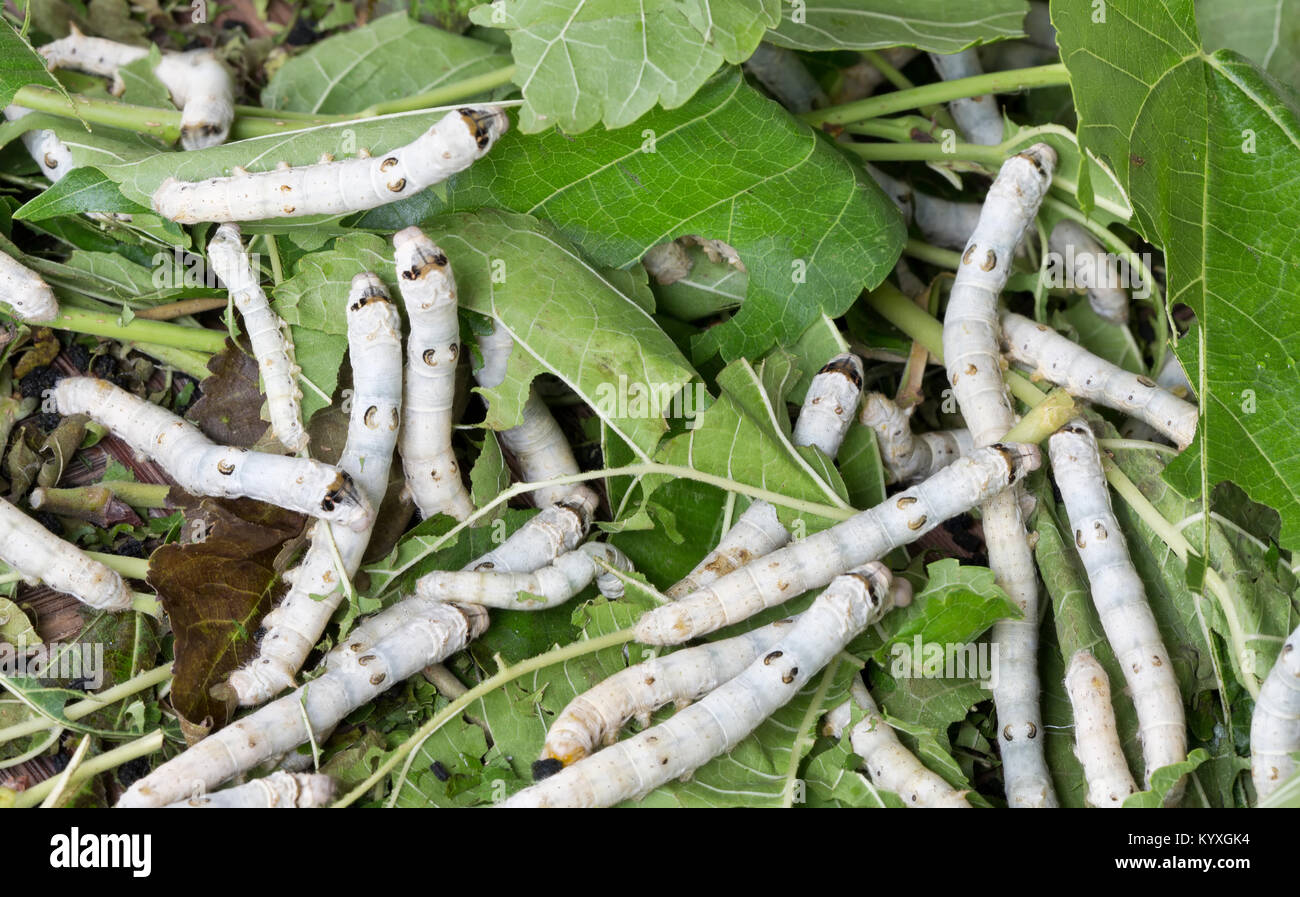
(992, 156)
(73, 712)
(193, 363)
(141, 747)
(1044, 419)
(165, 124)
(131, 568)
(902, 82)
(940, 92)
(454, 709)
(159, 333)
(442, 96)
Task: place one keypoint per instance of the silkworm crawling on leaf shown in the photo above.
(276, 728)
(548, 586)
(891, 766)
(27, 294)
(315, 586)
(814, 561)
(596, 716)
(332, 188)
(41, 556)
(715, 725)
(201, 467)
(1072, 367)
(827, 412)
(1275, 724)
(555, 530)
(973, 360)
(45, 148)
(428, 289)
(1096, 738)
(1120, 599)
(978, 117)
(1088, 265)
(268, 333)
(908, 456)
(279, 790)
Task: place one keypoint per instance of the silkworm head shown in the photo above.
(545, 768)
(847, 364)
(366, 288)
(486, 124)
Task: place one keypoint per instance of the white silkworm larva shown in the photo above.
(429, 291)
(279, 790)
(49, 152)
(1067, 364)
(1120, 598)
(782, 72)
(910, 457)
(27, 294)
(1088, 266)
(203, 90)
(1096, 738)
(268, 333)
(315, 590)
(278, 727)
(827, 412)
(814, 561)
(203, 468)
(891, 766)
(942, 222)
(453, 144)
(715, 725)
(667, 262)
(978, 117)
(39, 555)
(200, 86)
(538, 542)
(548, 586)
(973, 359)
(1275, 724)
(596, 716)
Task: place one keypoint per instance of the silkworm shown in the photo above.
(827, 412)
(41, 556)
(1120, 599)
(27, 294)
(333, 188)
(545, 587)
(279, 790)
(1275, 724)
(724, 717)
(48, 151)
(973, 361)
(269, 334)
(945, 223)
(276, 728)
(783, 74)
(428, 288)
(315, 590)
(201, 467)
(978, 117)
(909, 457)
(891, 766)
(814, 561)
(1087, 265)
(1096, 738)
(1072, 367)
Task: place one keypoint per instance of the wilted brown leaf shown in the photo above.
(230, 411)
(215, 589)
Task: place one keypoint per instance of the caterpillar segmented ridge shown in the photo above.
(1072, 367)
(909, 457)
(823, 421)
(27, 294)
(202, 467)
(595, 717)
(41, 556)
(451, 145)
(274, 729)
(890, 765)
(315, 591)
(1120, 599)
(1096, 738)
(428, 289)
(974, 368)
(279, 791)
(45, 148)
(1275, 724)
(720, 720)
(814, 561)
(545, 587)
(268, 333)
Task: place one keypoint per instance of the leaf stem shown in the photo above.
(193, 363)
(141, 747)
(448, 93)
(940, 92)
(161, 333)
(181, 308)
(165, 124)
(992, 156)
(73, 712)
(131, 568)
(453, 709)
(1044, 419)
